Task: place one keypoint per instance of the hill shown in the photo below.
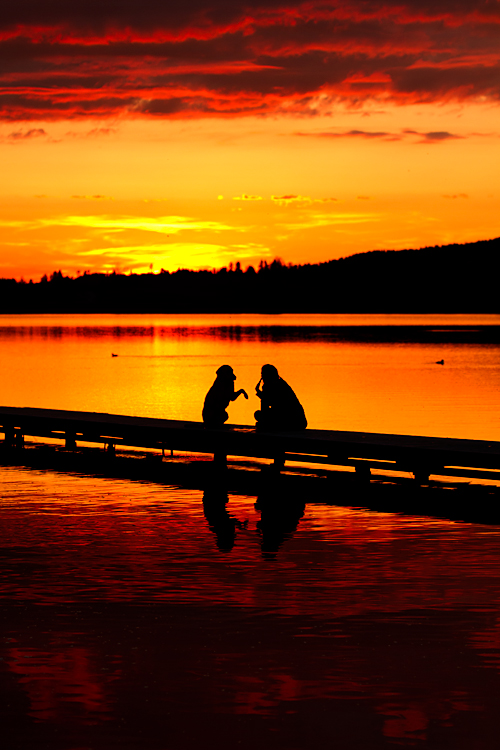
(449, 278)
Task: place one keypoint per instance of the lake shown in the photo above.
(137, 615)
(367, 373)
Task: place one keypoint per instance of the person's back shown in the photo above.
(286, 407)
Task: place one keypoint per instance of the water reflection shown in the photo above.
(322, 330)
(220, 522)
(279, 517)
(361, 373)
(138, 615)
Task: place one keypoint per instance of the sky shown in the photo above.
(140, 136)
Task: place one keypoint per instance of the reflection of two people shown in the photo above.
(220, 522)
(279, 518)
(280, 408)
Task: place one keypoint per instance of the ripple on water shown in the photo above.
(66, 537)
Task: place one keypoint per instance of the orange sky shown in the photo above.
(133, 137)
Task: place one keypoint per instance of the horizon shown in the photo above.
(140, 139)
(231, 267)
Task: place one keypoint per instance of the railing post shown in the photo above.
(220, 459)
(14, 437)
(70, 443)
(422, 475)
(279, 462)
(363, 472)
(9, 436)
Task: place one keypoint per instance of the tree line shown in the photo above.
(450, 278)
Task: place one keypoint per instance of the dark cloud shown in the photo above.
(430, 137)
(164, 106)
(101, 16)
(353, 134)
(438, 136)
(199, 58)
(23, 135)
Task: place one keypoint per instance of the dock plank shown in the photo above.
(427, 455)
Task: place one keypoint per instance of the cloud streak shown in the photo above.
(25, 135)
(231, 59)
(425, 137)
(168, 225)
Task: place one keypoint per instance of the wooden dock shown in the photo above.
(363, 451)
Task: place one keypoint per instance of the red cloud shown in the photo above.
(226, 58)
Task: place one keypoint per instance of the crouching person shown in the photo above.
(220, 396)
(280, 408)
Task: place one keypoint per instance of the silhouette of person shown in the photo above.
(280, 408)
(220, 396)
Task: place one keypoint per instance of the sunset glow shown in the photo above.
(141, 137)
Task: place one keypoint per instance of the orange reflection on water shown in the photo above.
(361, 373)
(122, 609)
(82, 539)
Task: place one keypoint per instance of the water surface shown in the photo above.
(137, 615)
(368, 373)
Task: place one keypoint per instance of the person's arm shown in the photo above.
(258, 389)
(265, 401)
(239, 393)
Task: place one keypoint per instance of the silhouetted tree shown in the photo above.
(452, 278)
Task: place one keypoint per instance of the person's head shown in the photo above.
(269, 373)
(225, 372)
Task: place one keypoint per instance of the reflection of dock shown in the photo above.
(361, 451)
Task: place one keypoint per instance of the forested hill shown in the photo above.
(450, 278)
